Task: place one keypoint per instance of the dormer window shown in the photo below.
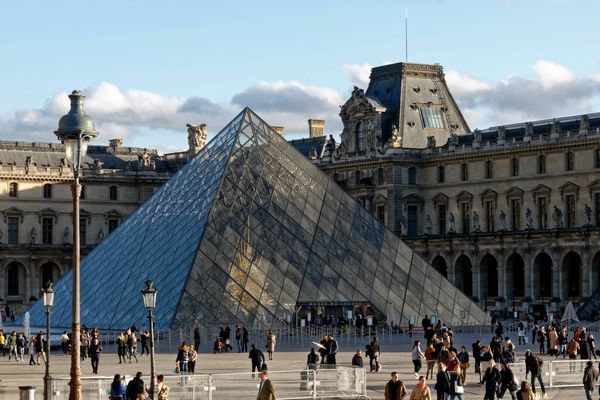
(432, 118)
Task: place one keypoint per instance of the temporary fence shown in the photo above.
(338, 383)
(555, 374)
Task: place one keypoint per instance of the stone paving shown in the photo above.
(13, 374)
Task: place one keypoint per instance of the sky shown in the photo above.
(150, 67)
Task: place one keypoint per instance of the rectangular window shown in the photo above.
(489, 216)
(47, 224)
(412, 176)
(412, 220)
(464, 172)
(597, 207)
(441, 174)
(13, 230)
(47, 191)
(432, 117)
(113, 223)
(489, 169)
(465, 216)
(542, 203)
(541, 164)
(82, 195)
(113, 193)
(571, 220)
(515, 214)
(569, 161)
(381, 214)
(82, 231)
(441, 219)
(515, 166)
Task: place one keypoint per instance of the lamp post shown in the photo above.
(149, 295)
(48, 293)
(75, 131)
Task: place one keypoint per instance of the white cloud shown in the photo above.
(464, 85)
(358, 74)
(551, 74)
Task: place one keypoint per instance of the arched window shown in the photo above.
(113, 193)
(569, 161)
(82, 195)
(13, 188)
(359, 135)
(47, 191)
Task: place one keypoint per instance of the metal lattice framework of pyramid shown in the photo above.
(244, 232)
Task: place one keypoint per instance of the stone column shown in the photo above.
(476, 275)
(502, 274)
(529, 275)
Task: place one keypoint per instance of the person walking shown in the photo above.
(239, 333)
(442, 383)
(122, 347)
(521, 333)
(534, 366)
(257, 358)
(270, 345)
(507, 382)
(144, 338)
(39, 347)
(197, 338)
(417, 357)
(266, 390)
(132, 345)
(590, 377)
(525, 393)
(463, 358)
(457, 388)
(430, 359)
(394, 389)
(421, 390)
(591, 346)
(94, 351)
(491, 379)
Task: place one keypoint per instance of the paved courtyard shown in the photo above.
(14, 374)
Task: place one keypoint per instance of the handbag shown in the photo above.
(264, 367)
(458, 389)
(177, 368)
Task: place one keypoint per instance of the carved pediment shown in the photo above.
(464, 196)
(594, 186)
(413, 198)
(84, 214)
(514, 193)
(568, 188)
(13, 212)
(112, 214)
(380, 199)
(488, 194)
(359, 103)
(47, 213)
(541, 191)
(440, 198)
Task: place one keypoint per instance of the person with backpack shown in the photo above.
(590, 377)
(534, 366)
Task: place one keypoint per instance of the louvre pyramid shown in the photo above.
(244, 232)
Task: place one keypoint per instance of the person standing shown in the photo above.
(227, 338)
(590, 377)
(394, 389)
(39, 347)
(270, 345)
(144, 337)
(192, 357)
(420, 391)
(312, 359)
(376, 353)
(534, 365)
(135, 387)
(94, 350)
(332, 350)
(442, 383)
(357, 359)
(122, 347)
(417, 357)
(256, 357)
(245, 338)
(162, 390)
(182, 358)
(572, 350)
(84, 344)
(239, 333)
(591, 346)
(521, 333)
(266, 390)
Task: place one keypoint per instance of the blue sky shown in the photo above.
(150, 67)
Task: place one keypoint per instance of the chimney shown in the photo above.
(316, 127)
(278, 129)
(115, 143)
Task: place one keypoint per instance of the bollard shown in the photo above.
(26, 393)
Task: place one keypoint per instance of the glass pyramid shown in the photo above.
(244, 232)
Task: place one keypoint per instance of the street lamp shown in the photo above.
(48, 293)
(149, 295)
(75, 131)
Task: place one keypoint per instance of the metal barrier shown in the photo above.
(557, 374)
(339, 383)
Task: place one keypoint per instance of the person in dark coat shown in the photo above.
(442, 383)
(590, 376)
(491, 379)
(257, 357)
(312, 359)
(533, 365)
(357, 359)
(135, 386)
(507, 381)
(394, 389)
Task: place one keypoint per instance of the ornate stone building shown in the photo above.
(510, 214)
